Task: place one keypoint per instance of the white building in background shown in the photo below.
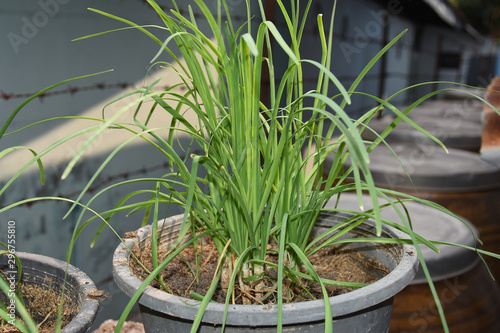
(36, 50)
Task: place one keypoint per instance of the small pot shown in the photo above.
(366, 309)
(49, 272)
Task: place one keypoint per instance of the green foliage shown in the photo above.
(255, 154)
(260, 175)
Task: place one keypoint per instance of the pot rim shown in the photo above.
(263, 315)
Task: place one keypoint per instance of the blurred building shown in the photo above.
(439, 45)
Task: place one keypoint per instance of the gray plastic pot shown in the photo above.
(366, 309)
(49, 272)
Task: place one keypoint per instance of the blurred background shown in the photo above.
(446, 41)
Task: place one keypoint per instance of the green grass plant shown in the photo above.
(259, 178)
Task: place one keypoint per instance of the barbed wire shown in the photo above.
(119, 177)
(115, 178)
(73, 90)
(70, 90)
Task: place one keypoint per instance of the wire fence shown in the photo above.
(68, 91)
(72, 90)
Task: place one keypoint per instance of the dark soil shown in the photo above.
(189, 273)
(42, 305)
